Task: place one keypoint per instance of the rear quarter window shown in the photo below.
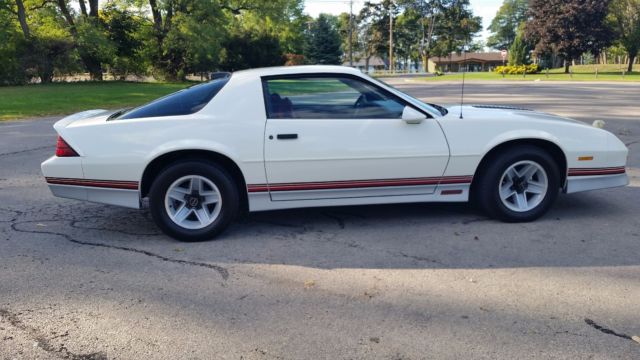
(184, 102)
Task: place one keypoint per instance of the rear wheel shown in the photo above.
(193, 201)
(519, 185)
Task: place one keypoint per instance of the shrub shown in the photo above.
(294, 59)
(518, 70)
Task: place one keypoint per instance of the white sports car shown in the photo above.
(309, 136)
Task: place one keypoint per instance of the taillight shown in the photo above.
(63, 149)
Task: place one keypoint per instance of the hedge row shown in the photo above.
(518, 69)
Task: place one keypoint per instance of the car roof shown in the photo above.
(289, 70)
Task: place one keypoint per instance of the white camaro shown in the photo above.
(310, 136)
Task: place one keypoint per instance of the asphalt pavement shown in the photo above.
(420, 281)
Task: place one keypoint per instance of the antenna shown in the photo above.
(464, 73)
(464, 62)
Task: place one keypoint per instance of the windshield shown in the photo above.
(183, 102)
(432, 108)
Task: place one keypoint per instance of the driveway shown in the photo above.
(88, 281)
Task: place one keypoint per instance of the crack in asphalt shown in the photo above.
(417, 258)
(323, 236)
(44, 343)
(224, 273)
(74, 224)
(16, 214)
(606, 330)
(27, 150)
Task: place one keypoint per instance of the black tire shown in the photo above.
(486, 194)
(217, 175)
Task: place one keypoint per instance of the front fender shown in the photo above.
(515, 135)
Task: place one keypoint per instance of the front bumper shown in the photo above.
(594, 182)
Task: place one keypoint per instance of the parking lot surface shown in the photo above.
(420, 281)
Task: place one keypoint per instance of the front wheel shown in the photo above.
(519, 185)
(193, 201)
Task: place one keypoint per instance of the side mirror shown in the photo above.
(413, 116)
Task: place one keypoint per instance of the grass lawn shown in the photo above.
(18, 102)
(580, 73)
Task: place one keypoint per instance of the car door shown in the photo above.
(340, 136)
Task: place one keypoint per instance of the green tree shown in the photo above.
(568, 28)
(323, 44)
(250, 50)
(519, 50)
(284, 19)
(426, 14)
(504, 27)
(348, 27)
(124, 30)
(48, 55)
(624, 17)
(11, 45)
(41, 47)
(407, 37)
(88, 34)
(423, 28)
(456, 27)
(374, 27)
(187, 36)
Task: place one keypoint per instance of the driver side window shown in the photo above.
(328, 97)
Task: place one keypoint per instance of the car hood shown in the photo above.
(495, 112)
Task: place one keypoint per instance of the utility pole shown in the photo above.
(351, 33)
(391, 65)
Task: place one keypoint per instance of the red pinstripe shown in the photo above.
(597, 171)
(356, 184)
(109, 184)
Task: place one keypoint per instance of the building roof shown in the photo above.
(455, 58)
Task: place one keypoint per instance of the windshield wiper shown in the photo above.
(442, 109)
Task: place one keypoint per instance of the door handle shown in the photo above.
(287, 136)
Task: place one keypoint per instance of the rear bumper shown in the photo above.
(594, 182)
(65, 178)
(111, 196)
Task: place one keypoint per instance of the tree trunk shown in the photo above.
(93, 8)
(93, 66)
(45, 72)
(22, 18)
(425, 62)
(157, 26)
(167, 66)
(90, 62)
(83, 7)
(567, 64)
(632, 59)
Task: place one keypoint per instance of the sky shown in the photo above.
(485, 8)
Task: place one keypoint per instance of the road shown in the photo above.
(88, 281)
